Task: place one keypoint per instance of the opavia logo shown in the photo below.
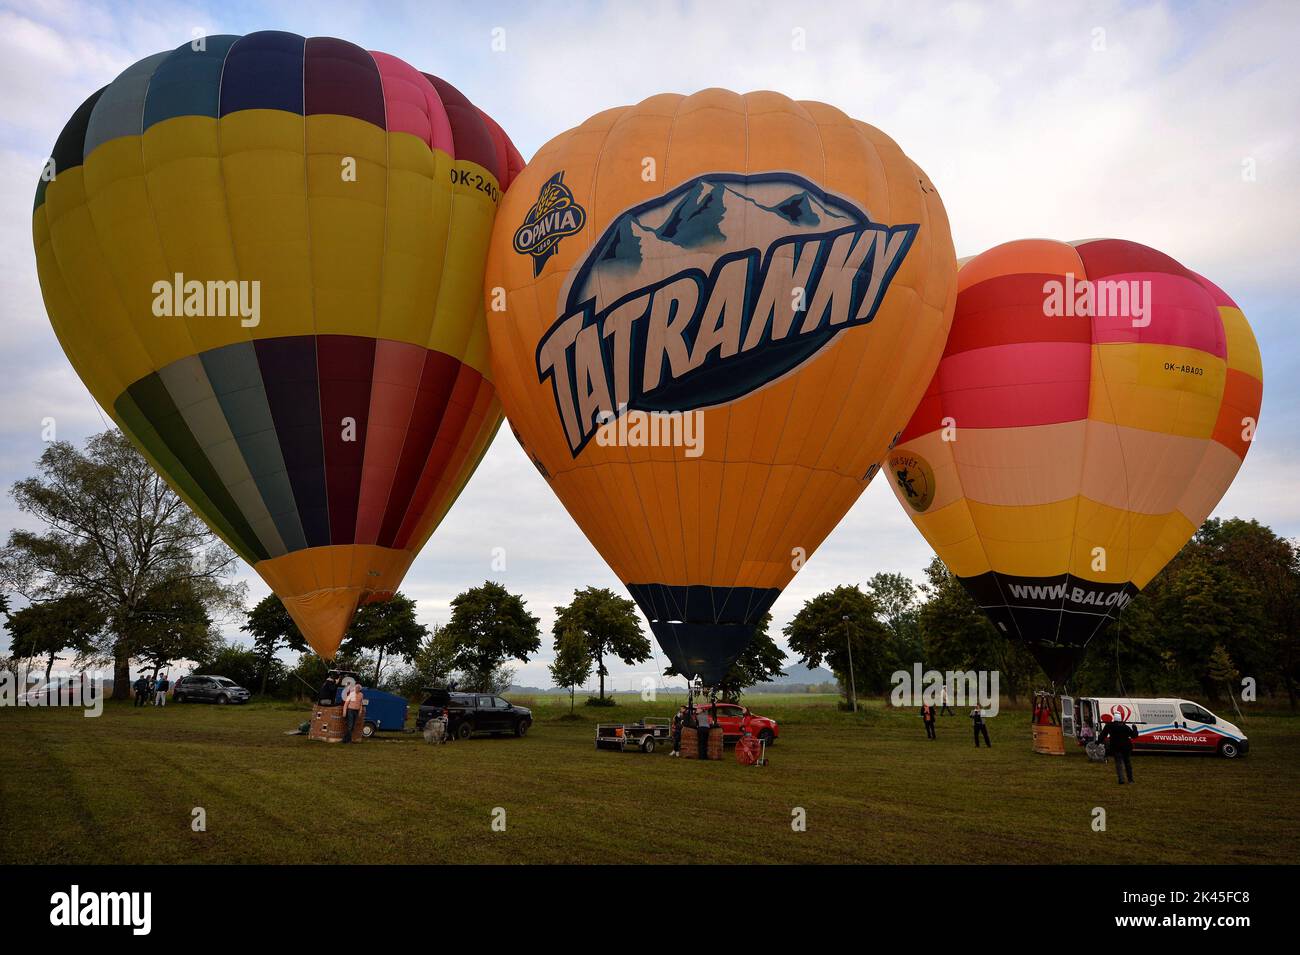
(709, 292)
(553, 216)
(75, 907)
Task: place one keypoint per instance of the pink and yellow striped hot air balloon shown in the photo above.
(346, 199)
(1092, 405)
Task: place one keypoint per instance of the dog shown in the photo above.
(435, 731)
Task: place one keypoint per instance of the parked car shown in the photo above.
(731, 717)
(1164, 725)
(470, 713)
(202, 688)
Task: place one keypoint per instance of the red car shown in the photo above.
(735, 719)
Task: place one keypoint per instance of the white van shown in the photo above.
(1164, 725)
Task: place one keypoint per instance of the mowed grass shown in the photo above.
(123, 787)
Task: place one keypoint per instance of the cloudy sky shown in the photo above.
(1063, 120)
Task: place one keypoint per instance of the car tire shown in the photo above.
(1229, 749)
(465, 730)
(521, 728)
(178, 698)
(768, 737)
(368, 729)
(222, 700)
(648, 745)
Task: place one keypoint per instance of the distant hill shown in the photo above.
(797, 673)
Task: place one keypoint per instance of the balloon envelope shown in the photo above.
(263, 255)
(1093, 404)
(718, 311)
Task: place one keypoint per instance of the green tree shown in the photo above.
(113, 533)
(896, 597)
(572, 666)
(1223, 671)
(49, 628)
(171, 623)
(272, 630)
(840, 625)
(488, 626)
(435, 659)
(608, 623)
(234, 661)
(957, 635)
(387, 628)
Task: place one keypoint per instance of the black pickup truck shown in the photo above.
(470, 713)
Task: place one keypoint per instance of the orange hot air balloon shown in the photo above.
(1093, 404)
(718, 311)
(264, 257)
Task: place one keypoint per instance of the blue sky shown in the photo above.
(1063, 120)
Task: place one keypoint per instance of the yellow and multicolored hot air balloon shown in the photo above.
(718, 310)
(264, 257)
(1093, 404)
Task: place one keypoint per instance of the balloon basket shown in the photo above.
(329, 723)
(1048, 740)
(691, 744)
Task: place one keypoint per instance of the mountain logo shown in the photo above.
(710, 292)
(914, 478)
(553, 216)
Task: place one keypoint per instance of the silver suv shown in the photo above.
(209, 689)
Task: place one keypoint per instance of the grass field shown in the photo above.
(122, 788)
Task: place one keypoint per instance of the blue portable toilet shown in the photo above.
(384, 711)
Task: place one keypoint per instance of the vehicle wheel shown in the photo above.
(368, 729)
(648, 746)
(464, 730)
(222, 700)
(178, 698)
(767, 737)
(521, 728)
(1229, 750)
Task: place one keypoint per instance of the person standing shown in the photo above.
(353, 700)
(702, 726)
(678, 719)
(944, 700)
(980, 728)
(160, 688)
(927, 716)
(141, 687)
(1118, 737)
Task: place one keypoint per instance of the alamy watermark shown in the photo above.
(191, 298)
(964, 688)
(83, 690)
(1102, 298)
(652, 429)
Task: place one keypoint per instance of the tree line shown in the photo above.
(122, 571)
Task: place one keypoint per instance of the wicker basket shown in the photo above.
(329, 723)
(691, 743)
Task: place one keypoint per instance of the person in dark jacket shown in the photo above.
(329, 690)
(927, 716)
(1118, 738)
(678, 719)
(980, 728)
(141, 687)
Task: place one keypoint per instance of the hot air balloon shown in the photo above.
(1094, 401)
(264, 257)
(712, 314)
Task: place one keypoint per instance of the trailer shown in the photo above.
(644, 734)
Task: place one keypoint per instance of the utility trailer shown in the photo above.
(644, 735)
